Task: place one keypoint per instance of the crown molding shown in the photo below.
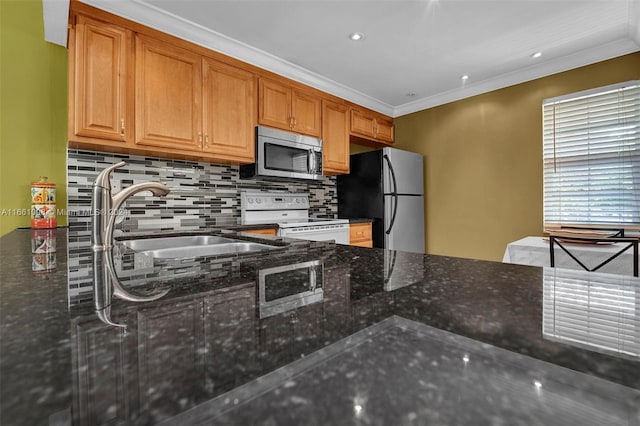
(565, 63)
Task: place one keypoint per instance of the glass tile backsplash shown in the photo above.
(202, 194)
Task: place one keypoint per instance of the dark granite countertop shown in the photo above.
(360, 220)
(309, 333)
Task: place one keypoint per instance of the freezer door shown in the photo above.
(407, 231)
(407, 169)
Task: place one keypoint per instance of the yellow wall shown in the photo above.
(483, 166)
(33, 110)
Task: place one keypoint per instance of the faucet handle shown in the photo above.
(104, 178)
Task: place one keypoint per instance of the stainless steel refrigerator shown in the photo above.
(386, 185)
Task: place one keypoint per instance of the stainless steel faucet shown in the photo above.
(104, 206)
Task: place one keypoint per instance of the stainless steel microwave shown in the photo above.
(281, 154)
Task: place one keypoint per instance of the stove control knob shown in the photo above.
(297, 200)
(258, 200)
(250, 200)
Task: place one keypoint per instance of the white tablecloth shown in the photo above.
(535, 251)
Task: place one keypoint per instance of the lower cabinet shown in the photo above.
(271, 231)
(360, 234)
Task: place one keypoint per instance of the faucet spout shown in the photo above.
(104, 206)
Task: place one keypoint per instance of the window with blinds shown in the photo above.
(599, 314)
(591, 158)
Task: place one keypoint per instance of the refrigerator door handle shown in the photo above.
(394, 193)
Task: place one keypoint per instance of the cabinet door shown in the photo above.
(335, 138)
(362, 124)
(271, 231)
(274, 104)
(229, 112)
(306, 110)
(384, 130)
(105, 390)
(360, 235)
(168, 96)
(99, 92)
(170, 356)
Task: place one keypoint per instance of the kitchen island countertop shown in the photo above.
(387, 338)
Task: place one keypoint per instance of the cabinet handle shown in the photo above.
(291, 122)
(122, 127)
(199, 139)
(206, 141)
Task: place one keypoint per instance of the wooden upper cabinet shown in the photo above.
(335, 137)
(306, 112)
(274, 107)
(362, 124)
(288, 108)
(384, 130)
(371, 126)
(168, 95)
(98, 81)
(229, 117)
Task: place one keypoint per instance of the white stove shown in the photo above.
(291, 213)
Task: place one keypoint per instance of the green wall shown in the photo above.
(483, 160)
(33, 110)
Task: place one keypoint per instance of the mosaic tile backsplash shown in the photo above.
(202, 194)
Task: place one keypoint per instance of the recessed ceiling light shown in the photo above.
(356, 36)
(536, 55)
(464, 77)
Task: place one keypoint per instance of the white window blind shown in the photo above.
(591, 157)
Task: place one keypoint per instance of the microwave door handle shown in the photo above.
(311, 162)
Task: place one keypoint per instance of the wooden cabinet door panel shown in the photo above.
(271, 231)
(335, 137)
(168, 95)
(307, 113)
(100, 83)
(360, 234)
(384, 130)
(274, 104)
(229, 112)
(362, 124)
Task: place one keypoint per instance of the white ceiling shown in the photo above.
(419, 47)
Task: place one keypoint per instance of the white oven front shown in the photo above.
(338, 233)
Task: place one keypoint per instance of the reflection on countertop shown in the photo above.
(381, 315)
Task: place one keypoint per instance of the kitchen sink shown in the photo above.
(172, 247)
